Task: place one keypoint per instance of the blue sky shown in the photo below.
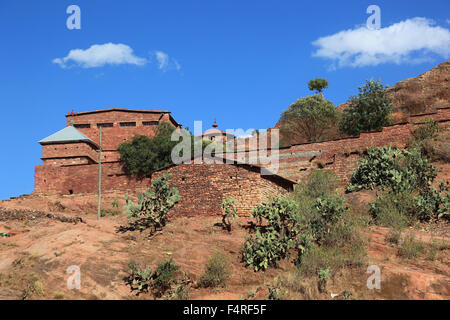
(243, 62)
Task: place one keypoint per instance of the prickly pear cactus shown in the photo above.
(154, 204)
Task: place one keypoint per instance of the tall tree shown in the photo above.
(318, 84)
(308, 117)
(369, 110)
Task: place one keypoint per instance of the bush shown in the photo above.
(229, 214)
(154, 205)
(370, 110)
(164, 276)
(324, 275)
(276, 291)
(282, 231)
(393, 210)
(323, 257)
(396, 169)
(409, 176)
(440, 147)
(308, 117)
(217, 271)
(410, 247)
(142, 279)
(329, 210)
(427, 130)
(319, 183)
(436, 147)
(139, 279)
(394, 236)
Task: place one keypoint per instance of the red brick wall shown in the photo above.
(342, 156)
(68, 150)
(202, 187)
(113, 136)
(67, 161)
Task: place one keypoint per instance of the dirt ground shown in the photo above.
(38, 249)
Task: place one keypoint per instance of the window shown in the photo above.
(82, 125)
(128, 124)
(149, 123)
(104, 125)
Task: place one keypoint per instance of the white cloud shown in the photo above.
(99, 55)
(409, 41)
(163, 59)
(165, 62)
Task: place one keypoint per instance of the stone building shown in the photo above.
(217, 135)
(70, 165)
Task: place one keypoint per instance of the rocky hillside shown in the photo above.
(421, 94)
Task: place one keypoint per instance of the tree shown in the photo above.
(369, 110)
(143, 155)
(318, 84)
(308, 117)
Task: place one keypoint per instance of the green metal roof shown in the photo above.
(68, 134)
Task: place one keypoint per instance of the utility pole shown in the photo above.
(99, 173)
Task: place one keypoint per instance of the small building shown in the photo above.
(215, 134)
(68, 146)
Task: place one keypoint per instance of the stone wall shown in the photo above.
(51, 152)
(340, 156)
(202, 187)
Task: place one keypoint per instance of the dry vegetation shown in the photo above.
(35, 256)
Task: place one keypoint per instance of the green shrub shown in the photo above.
(393, 210)
(410, 247)
(144, 155)
(324, 256)
(217, 271)
(346, 231)
(329, 209)
(324, 275)
(409, 176)
(370, 110)
(164, 276)
(154, 205)
(423, 137)
(115, 205)
(397, 169)
(142, 279)
(229, 212)
(308, 117)
(276, 291)
(433, 250)
(319, 183)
